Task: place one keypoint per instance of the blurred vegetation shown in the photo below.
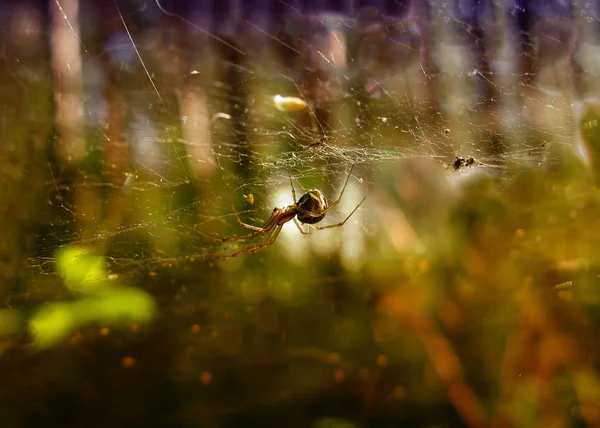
(463, 292)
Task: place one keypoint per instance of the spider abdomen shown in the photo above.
(310, 207)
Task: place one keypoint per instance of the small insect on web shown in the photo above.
(311, 208)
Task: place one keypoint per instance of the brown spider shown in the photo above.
(311, 208)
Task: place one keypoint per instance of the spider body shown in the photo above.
(311, 208)
(283, 215)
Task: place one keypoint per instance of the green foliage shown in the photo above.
(81, 270)
(107, 302)
(53, 322)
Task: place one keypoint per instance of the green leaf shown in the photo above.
(81, 270)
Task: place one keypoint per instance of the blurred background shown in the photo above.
(136, 134)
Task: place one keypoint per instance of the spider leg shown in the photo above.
(267, 227)
(247, 226)
(292, 184)
(206, 235)
(337, 201)
(247, 249)
(331, 226)
(246, 236)
(300, 228)
(267, 242)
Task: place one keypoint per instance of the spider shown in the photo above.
(311, 208)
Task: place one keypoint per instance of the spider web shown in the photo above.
(204, 137)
